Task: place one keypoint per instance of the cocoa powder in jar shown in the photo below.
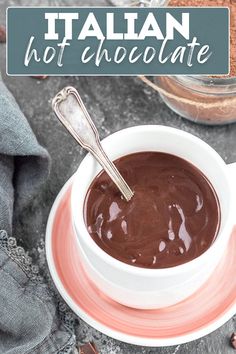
(193, 98)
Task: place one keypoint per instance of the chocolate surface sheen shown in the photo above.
(173, 217)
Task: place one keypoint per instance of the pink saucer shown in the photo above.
(200, 314)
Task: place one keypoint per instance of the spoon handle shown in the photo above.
(69, 108)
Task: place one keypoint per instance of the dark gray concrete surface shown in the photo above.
(114, 103)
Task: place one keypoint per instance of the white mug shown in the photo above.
(144, 288)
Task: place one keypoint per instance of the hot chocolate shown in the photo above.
(173, 217)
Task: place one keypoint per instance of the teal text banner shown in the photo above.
(117, 41)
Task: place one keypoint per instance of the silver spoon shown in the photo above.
(70, 110)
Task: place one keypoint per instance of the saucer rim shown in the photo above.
(118, 335)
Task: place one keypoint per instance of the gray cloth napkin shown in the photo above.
(29, 321)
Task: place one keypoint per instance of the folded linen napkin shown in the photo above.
(29, 322)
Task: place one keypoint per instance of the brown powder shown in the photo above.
(200, 103)
(229, 3)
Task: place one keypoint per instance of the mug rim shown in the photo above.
(149, 272)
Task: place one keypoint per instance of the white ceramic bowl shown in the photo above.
(153, 288)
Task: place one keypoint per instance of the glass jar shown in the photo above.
(201, 99)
